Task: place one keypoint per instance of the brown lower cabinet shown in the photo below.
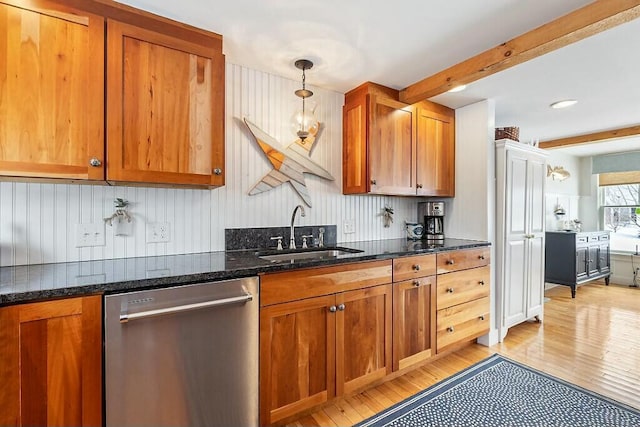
(330, 331)
(51, 363)
(414, 314)
(316, 348)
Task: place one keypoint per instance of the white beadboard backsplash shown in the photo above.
(38, 221)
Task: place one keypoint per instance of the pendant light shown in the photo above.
(304, 122)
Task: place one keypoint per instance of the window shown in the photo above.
(621, 215)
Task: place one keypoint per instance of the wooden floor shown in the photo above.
(592, 341)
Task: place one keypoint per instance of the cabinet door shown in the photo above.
(582, 262)
(535, 297)
(297, 357)
(604, 264)
(363, 337)
(391, 148)
(515, 261)
(414, 321)
(592, 263)
(51, 363)
(536, 233)
(435, 154)
(165, 112)
(51, 91)
(355, 174)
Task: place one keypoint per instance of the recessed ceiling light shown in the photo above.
(564, 103)
(458, 89)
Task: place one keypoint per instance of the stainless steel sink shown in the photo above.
(310, 254)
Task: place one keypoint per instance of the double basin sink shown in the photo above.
(291, 256)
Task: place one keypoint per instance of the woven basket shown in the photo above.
(512, 133)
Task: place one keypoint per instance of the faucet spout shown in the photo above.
(292, 240)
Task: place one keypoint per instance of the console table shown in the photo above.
(574, 258)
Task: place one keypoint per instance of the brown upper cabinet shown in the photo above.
(152, 113)
(394, 148)
(51, 91)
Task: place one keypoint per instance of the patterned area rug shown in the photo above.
(500, 392)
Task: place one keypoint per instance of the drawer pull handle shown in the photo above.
(481, 317)
(416, 283)
(449, 262)
(333, 309)
(481, 257)
(450, 329)
(416, 267)
(450, 290)
(481, 282)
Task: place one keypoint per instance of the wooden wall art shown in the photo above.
(289, 165)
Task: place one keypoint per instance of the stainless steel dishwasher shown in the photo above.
(183, 356)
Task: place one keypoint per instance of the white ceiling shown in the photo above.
(399, 43)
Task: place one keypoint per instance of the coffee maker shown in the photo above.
(433, 215)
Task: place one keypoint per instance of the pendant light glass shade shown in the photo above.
(304, 122)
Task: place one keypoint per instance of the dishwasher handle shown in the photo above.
(124, 318)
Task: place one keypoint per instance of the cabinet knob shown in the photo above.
(419, 186)
(416, 283)
(481, 257)
(450, 329)
(373, 182)
(481, 317)
(416, 267)
(481, 282)
(450, 290)
(333, 309)
(450, 262)
(341, 307)
(217, 171)
(95, 162)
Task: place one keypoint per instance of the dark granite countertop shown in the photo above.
(46, 281)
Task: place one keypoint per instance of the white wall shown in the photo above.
(471, 214)
(37, 221)
(565, 193)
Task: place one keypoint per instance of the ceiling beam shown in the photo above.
(591, 137)
(575, 26)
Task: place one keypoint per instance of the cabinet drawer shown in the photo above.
(462, 286)
(311, 282)
(414, 266)
(462, 322)
(462, 260)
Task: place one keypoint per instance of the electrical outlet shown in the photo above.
(158, 232)
(348, 227)
(90, 235)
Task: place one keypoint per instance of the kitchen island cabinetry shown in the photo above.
(462, 296)
(324, 332)
(51, 363)
(576, 258)
(102, 91)
(414, 313)
(394, 148)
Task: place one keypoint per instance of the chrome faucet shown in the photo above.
(292, 240)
